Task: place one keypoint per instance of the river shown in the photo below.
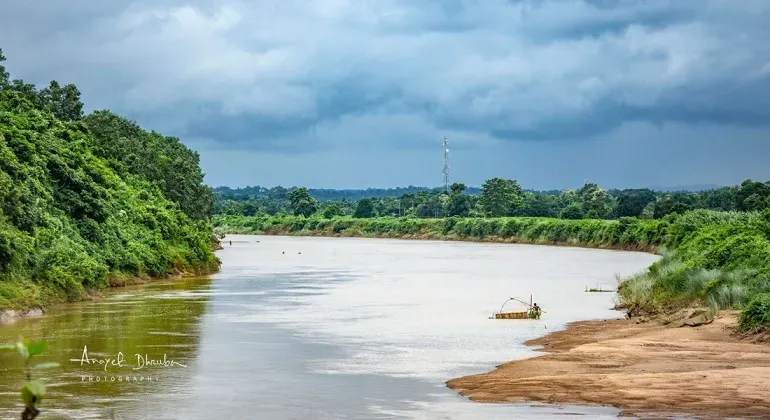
(315, 328)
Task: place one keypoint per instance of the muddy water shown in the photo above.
(315, 328)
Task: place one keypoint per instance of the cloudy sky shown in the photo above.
(359, 93)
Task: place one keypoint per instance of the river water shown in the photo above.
(315, 328)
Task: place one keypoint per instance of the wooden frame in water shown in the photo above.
(512, 315)
(526, 314)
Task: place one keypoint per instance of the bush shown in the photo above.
(574, 211)
(756, 315)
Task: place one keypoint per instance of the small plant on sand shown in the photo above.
(756, 315)
(33, 391)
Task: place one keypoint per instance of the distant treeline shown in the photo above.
(496, 198)
(322, 194)
(91, 200)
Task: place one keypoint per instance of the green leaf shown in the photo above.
(32, 393)
(37, 347)
(46, 365)
(7, 347)
(22, 349)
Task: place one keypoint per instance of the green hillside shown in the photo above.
(89, 201)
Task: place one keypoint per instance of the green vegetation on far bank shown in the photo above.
(89, 201)
(643, 235)
(712, 258)
(497, 197)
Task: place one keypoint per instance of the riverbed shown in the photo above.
(316, 328)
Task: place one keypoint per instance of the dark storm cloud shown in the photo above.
(244, 131)
(290, 75)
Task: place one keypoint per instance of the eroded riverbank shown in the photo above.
(644, 369)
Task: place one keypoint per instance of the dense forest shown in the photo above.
(91, 200)
(497, 197)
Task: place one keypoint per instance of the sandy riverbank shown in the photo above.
(646, 369)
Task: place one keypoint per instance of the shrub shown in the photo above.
(756, 314)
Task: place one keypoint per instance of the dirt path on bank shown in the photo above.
(643, 369)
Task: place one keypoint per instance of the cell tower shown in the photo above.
(446, 165)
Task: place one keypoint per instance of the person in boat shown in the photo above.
(536, 309)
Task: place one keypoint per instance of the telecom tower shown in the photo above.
(446, 165)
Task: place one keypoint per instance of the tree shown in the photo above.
(28, 91)
(459, 203)
(631, 203)
(574, 211)
(364, 209)
(723, 199)
(63, 102)
(163, 160)
(5, 78)
(668, 205)
(648, 212)
(457, 188)
(751, 196)
(302, 203)
(596, 203)
(540, 205)
(332, 210)
(250, 208)
(408, 202)
(754, 202)
(443, 201)
(278, 193)
(500, 197)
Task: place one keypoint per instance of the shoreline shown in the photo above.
(116, 281)
(641, 368)
(446, 238)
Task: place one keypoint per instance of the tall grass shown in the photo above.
(720, 260)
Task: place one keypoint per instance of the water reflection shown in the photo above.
(149, 321)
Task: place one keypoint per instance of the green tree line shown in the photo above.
(91, 200)
(497, 197)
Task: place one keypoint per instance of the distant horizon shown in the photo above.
(661, 188)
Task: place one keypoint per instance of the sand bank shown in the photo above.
(642, 368)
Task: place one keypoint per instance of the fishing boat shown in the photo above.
(527, 312)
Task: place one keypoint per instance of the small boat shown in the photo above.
(512, 315)
(527, 313)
